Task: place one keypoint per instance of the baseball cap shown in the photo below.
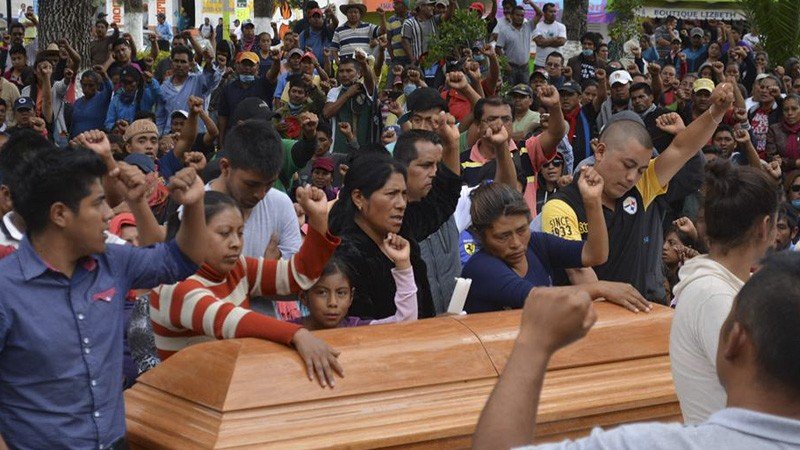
(141, 161)
(141, 126)
(697, 31)
(294, 51)
(323, 163)
(315, 11)
(179, 112)
(252, 108)
(247, 56)
(442, 2)
(571, 87)
(620, 76)
(703, 84)
(422, 99)
(539, 73)
(23, 103)
(424, 2)
(522, 89)
(125, 219)
(477, 6)
(130, 71)
(309, 55)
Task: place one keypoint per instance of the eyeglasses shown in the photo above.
(795, 188)
(493, 119)
(555, 163)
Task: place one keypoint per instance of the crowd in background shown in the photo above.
(266, 185)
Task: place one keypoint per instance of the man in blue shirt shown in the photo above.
(62, 295)
(175, 91)
(163, 32)
(758, 363)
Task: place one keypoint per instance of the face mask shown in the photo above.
(247, 78)
(408, 89)
(479, 58)
(587, 52)
(796, 203)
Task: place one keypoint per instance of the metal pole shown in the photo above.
(8, 16)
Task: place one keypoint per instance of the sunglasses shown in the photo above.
(795, 188)
(554, 163)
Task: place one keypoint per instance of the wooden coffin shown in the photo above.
(413, 385)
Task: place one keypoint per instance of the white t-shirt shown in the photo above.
(549, 31)
(274, 214)
(704, 297)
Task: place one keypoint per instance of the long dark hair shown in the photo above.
(213, 202)
(367, 174)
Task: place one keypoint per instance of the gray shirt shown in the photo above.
(729, 429)
(516, 44)
(440, 251)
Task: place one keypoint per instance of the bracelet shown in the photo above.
(713, 119)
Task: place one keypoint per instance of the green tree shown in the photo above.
(776, 23)
(463, 30)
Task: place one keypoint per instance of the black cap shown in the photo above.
(571, 87)
(130, 71)
(23, 103)
(423, 99)
(141, 161)
(252, 108)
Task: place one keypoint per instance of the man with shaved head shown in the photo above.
(632, 180)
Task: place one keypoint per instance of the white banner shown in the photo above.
(658, 12)
(116, 12)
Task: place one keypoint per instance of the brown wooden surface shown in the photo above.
(412, 385)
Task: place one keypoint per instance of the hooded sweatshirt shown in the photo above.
(703, 299)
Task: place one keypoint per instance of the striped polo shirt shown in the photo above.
(394, 31)
(347, 39)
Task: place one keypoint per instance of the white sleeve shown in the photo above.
(562, 30)
(333, 94)
(286, 224)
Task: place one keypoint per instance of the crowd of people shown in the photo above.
(267, 184)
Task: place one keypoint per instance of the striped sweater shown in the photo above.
(209, 305)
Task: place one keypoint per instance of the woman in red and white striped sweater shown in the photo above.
(214, 303)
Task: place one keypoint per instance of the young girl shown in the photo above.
(214, 303)
(678, 248)
(330, 298)
(739, 214)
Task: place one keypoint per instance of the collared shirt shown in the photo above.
(516, 42)
(164, 31)
(177, 97)
(731, 429)
(346, 39)
(61, 342)
(394, 31)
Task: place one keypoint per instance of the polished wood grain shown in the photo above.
(415, 385)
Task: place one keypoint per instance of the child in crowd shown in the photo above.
(214, 303)
(678, 247)
(330, 298)
(322, 170)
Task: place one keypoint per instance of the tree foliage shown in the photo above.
(625, 25)
(463, 29)
(776, 22)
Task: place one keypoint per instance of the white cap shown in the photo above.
(620, 76)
